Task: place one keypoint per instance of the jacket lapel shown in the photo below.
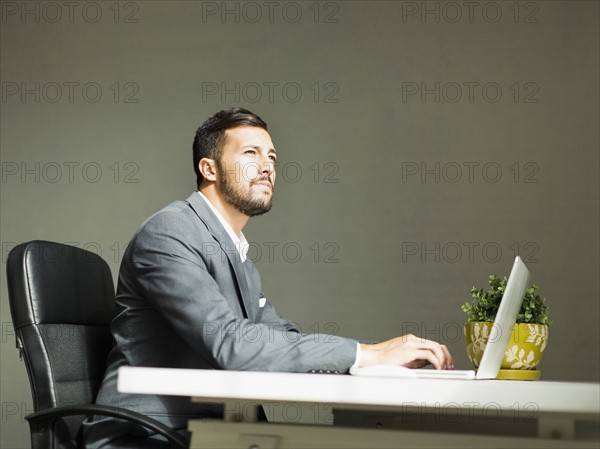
(220, 234)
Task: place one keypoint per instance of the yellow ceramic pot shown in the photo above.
(525, 348)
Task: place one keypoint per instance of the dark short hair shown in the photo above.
(210, 137)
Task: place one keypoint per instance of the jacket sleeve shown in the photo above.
(170, 271)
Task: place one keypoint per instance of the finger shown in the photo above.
(448, 357)
(426, 354)
(437, 351)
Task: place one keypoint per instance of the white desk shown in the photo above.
(554, 407)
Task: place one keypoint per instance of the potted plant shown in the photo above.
(529, 337)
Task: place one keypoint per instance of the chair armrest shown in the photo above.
(43, 419)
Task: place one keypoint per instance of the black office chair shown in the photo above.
(61, 302)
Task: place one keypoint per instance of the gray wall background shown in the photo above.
(419, 152)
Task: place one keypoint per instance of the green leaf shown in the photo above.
(484, 305)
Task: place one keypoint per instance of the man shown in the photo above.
(188, 297)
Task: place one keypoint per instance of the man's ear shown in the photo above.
(208, 168)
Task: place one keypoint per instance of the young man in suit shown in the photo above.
(188, 296)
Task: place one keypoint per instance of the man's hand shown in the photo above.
(408, 351)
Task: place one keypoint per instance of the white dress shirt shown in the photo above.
(239, 241)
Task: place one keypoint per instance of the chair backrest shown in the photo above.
(61, 301)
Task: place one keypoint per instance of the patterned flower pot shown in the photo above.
(525, 348)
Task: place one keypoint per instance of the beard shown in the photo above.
(241, 197)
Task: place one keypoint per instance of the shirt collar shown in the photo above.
(239, 241)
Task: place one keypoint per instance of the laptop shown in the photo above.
(495, 348)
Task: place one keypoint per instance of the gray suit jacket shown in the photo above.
(186, 300)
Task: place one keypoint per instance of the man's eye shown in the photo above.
(273, 158)
(250, 151)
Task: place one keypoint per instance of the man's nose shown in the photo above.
(267, 166)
